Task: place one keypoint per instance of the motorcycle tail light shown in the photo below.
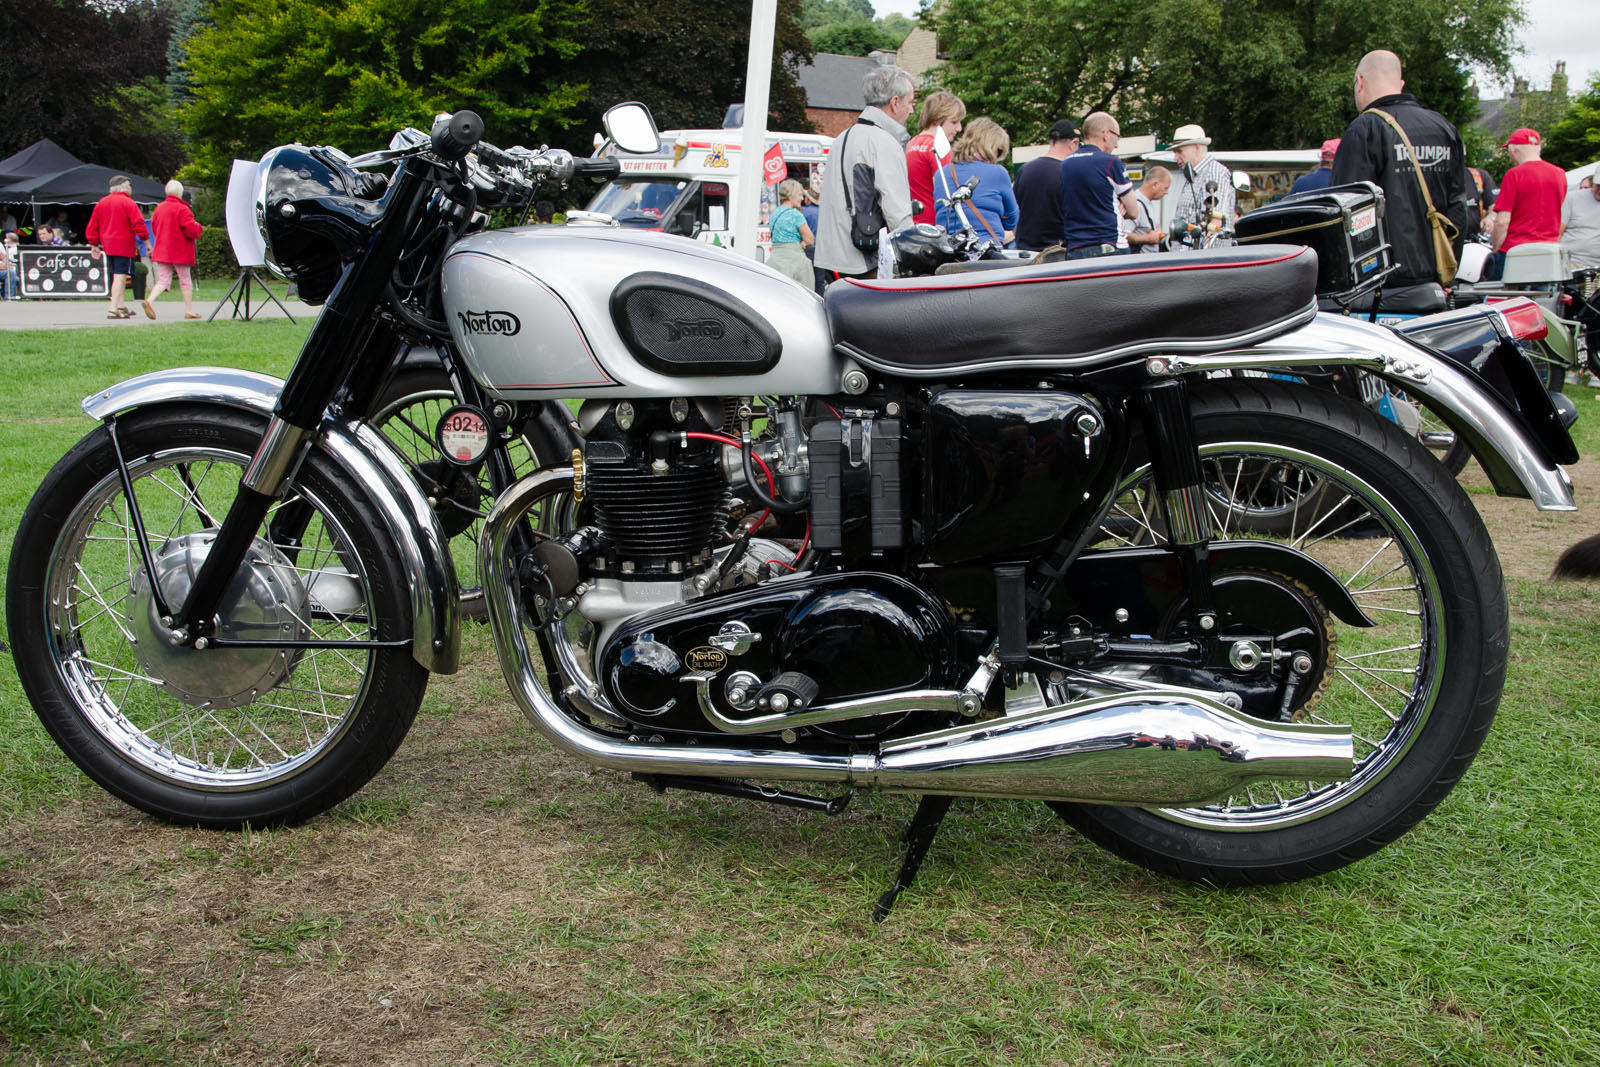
(1523, 318)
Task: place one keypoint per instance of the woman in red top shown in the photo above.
(115, 223)
(176, 232)
(940, 109)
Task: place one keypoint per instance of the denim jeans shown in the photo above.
(12, 282)
(1091, 251)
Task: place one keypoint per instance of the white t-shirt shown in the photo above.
(1580, 215)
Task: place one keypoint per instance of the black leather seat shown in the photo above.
(1082, 311)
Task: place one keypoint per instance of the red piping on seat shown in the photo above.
(1073, 277)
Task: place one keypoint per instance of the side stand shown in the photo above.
(241, 286)
(924, 825)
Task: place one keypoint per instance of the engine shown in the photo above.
(680, 620)
(656, 482)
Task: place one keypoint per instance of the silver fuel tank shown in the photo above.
(578, 312)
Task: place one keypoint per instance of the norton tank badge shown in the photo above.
(464, 434)
(706, 660)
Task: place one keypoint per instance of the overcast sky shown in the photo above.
(1557, 29)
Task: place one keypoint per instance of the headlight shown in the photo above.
(311, 216)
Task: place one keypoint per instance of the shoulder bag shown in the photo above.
(1444, 231)
(865, 223)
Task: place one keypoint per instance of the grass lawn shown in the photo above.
(487, 901)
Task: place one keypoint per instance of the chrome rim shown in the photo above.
(96, 590)
(1383, 681)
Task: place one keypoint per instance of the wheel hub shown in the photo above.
(265, 600)
(1250, 601)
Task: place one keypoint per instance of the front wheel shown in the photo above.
(224, 736)
(1419, 689)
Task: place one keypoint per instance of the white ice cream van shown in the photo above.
(688, 186)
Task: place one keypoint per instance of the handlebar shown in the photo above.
(499, 176)
(458, 135)
(608, 168)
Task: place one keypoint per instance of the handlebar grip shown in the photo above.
(457, 136)
(493, 156)
(607, 168)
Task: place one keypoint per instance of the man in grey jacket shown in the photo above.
(877, 142)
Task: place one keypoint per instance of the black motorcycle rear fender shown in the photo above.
(1472, 338)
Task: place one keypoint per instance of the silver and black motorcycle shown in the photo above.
(997, 535)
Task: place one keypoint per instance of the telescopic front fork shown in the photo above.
(332, 348)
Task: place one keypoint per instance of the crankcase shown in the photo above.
(854, 635)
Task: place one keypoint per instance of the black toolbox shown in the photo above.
(1343, 223)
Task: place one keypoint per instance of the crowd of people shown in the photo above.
(1078, 195)
(118, 232)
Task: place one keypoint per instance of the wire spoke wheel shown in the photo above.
(1418, 689)
(221, 735)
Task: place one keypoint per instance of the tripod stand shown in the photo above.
(241, 287)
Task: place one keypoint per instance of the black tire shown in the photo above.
(219, 738)
(1420, 691)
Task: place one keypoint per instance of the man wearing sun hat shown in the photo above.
(1319, 178)
(1528, 206)
(1201, 178)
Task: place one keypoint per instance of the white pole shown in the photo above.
(753, 140)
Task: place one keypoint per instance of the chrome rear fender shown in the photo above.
(364, 454)
(1515, 462)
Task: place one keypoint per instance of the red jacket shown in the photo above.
(921, 166)
(176, 231)
(116, 221)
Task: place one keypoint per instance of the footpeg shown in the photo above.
(789, 690)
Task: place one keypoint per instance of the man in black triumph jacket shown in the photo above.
(1372, 151)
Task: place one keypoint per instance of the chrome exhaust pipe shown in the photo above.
(1147, 749)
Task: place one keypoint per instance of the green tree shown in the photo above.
(1574, 138)
(89, 76)
(851, 39)
(897, 26)
(351, 72)
(684, 58)
(1255, 73)
(814, 14)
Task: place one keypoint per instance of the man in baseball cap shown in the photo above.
(1319, 178)
(1038, 190)
(1528, 206)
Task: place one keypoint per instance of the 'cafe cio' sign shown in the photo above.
(60, 271)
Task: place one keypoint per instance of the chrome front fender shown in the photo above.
(1515, 462)
(366, 457)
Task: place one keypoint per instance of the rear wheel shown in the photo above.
(221, 736)
(1419, 690)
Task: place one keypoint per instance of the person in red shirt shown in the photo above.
(115, 223)
(940, 109)
(176, 232)
(1528, 205)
